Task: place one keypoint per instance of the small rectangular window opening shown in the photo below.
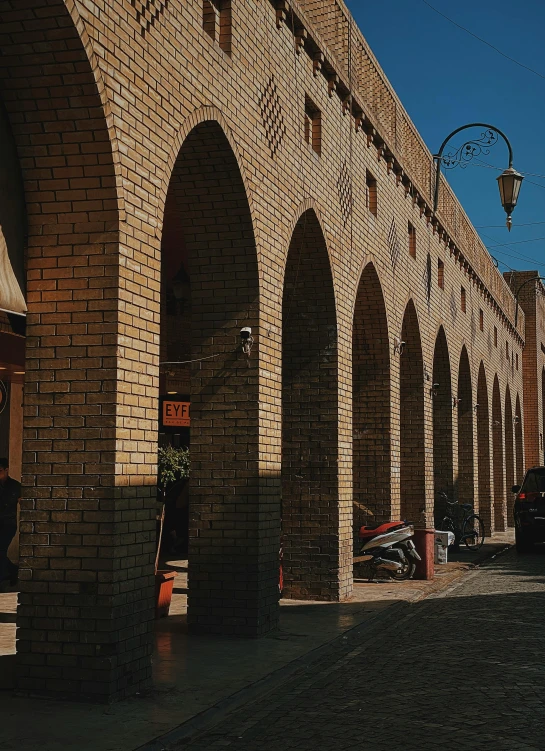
(481, 320)
(507, 350)
(216, 21)
(463, 300)
(372, 197)
(440, 274)
(517, 360)
(495, 337)
(313, 126)
(412, 241)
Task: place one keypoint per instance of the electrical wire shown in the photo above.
(501, 226)
(484, 165)
(518, 242)
(185, 362)
(516, 256)
(480, 39)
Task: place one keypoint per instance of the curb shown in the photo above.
(210, 717)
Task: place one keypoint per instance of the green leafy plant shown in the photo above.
(172, 465)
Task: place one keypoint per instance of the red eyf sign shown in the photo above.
(176, 414)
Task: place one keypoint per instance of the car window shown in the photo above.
(534, 481)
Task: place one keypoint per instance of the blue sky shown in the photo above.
(446, 78)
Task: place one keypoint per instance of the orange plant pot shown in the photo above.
(164, 582)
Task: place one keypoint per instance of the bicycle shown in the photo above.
(466, 526)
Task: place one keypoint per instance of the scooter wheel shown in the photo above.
(407, 572)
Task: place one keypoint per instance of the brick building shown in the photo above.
(175, 171)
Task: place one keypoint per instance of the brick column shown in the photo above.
(311, 521)
(86, 544)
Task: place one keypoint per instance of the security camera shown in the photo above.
(247, 339)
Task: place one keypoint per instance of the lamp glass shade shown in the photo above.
(509, 183)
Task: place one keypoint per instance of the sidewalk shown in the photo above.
(194, 674)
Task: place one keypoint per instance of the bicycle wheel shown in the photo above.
(473, 532)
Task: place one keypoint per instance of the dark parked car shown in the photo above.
(529, 510)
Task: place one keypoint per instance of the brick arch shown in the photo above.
(483, 447)
(411, 397)
(310, 499)
(442, 422)
(509, 455)
(499, 503)
(465, 485)
(370, 403)
(519, 445)
(53, 97)
(210, 290)
(200, 116)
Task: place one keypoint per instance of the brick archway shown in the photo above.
(310, 498)
(519, 444)
(465, 485)
(483, 446)
(412, 456)
(370, 403)
(509, 456)
(210, 291)
(499, 504)
(76, 550)
(442, 423)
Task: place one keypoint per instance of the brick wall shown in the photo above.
(133, 127)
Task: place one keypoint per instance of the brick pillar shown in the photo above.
(442, 424)
(86, 582)
(465, 485)
(371, 404)
(311, 523)
(519, 444)
(234, 520)
(509, 456)
(500, 506)
(412, 436)
(483, 445)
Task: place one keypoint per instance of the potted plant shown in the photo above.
(172, 466)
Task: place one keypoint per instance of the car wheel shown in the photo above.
(522, 544)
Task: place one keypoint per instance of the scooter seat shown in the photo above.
(372, 530)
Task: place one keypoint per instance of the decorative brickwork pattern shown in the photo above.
(393, 244)
(148, 12)
(271, 114)
(344, 188)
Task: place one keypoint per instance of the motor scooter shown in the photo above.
(388, 547)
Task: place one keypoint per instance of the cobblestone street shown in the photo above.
(462, 670)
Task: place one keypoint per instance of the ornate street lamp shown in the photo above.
(509, 181)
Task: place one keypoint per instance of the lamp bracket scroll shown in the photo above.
(509, 181)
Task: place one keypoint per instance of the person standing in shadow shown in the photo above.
(10, 495)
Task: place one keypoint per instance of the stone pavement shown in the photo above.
(463, 669)
(193, 674)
